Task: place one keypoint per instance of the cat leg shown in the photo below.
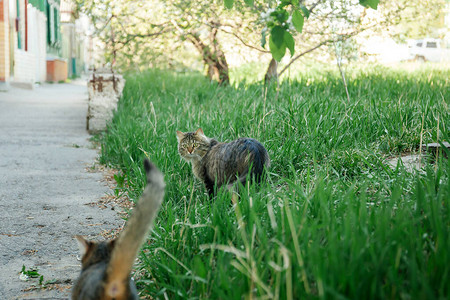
(209, 184)
(233, 187)
(243, 179)
(211, 192)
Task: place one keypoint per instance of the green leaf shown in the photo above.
(249, 2)
(305, 11)
(32, 274)
(277, 51)
(284, 3)
(282, 15)
(228, 3)
(277, 35)
(297, 20)
(369, 3)
(290, 43)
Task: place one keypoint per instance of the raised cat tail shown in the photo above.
(133, 236)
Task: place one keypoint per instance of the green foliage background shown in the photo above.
(141, 34)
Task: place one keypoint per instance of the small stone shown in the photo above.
(435, 145)
(410, 162)
(23, 277)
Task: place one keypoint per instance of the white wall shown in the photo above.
(37, 42)
(24, 66)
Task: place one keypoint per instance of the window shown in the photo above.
(431, 45)
(53, 34)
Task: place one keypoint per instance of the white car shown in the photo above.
(427, 50)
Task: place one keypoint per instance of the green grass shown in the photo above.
(332, 220)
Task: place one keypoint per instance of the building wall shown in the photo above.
(24, 66)
(4, 41)
(37, 41)
(74, 38)
(54, 33)
(68, 44)
(25, 46)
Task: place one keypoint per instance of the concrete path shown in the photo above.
(44, 188)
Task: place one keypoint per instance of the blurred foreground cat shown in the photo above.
(106, 266)
(216, 163)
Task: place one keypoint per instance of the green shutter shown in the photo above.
(55, 24)
(51, 17)
(49, 29)
(19, 36)
(39, 4)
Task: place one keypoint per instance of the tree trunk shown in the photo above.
(271, 72)
(213, 57)
(218, 69)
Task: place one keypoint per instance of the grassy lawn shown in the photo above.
(332, 220)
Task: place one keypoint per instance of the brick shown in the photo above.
(2, 11)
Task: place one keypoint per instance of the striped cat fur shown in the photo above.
(217, 164)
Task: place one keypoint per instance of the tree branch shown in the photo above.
(303, 53)
(343, 37)
(243, 42)
(314, 6)
(130, 36)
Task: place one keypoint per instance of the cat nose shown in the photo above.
(190, 149)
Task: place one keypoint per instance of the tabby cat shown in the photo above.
(106, 266)
(216, 163)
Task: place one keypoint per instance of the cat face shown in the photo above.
(192, 145)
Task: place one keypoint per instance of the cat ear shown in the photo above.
(83, 244)
(199, 132)
(180, 135)
(111, 244)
